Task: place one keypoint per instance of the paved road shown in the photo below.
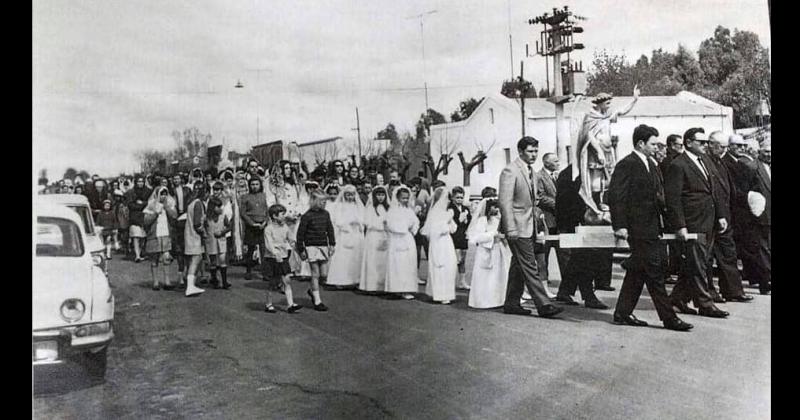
(221, 356)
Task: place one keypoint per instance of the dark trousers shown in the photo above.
(254, 237)
(756, 255)
(724, 252)
(645, 267)
(523, 272)
(577, 272)
(692, 280)
(602, 267)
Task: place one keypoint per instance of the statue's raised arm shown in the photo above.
(630, 105)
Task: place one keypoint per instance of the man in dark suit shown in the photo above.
(674, 149)
(741, 167)
(546, 187)
(724, 249)
(759, 240)
(516, 199)
(636, 198)
(692, 207)
(579, 266)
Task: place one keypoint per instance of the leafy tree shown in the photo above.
(465, 109)
(426, 120)
(518, 88)
(543, 93)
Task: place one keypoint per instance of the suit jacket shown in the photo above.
(722, 185)
(517, 198)
(636, 198)
(741, 174)
(761, 183)
(569, 204)
(671, 155)
(691, 202)
(546, 187)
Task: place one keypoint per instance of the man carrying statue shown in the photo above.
(581, 200)
(596, 156)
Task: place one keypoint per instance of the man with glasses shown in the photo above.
(692, 207)
(253, 208)
(724, 249)
(740, 166)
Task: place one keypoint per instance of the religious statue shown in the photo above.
(596, 156)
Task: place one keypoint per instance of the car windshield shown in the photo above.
(86, 217)
(57, 237)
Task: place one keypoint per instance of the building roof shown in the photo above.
(683, 104)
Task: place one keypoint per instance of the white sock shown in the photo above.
(289, 296)
(317, 298)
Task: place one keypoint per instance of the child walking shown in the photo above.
(107, 219)
(492, 257)
(347, 217)
(277, 250)
(217, 226)
(376, 243)
(442, 261)
(402, 224)
(315, 243)
(462, 218)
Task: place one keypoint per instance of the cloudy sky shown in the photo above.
(111, 77)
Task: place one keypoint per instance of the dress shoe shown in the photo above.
(718, 299)
(294, 308)
(713, 312)
(320, 307)
(683, 308)
(676, 324)
(606, 288)
(549, 311)
(595, 304)
(765, 292)
(742, 298)
(567, 300)
(670, 280)
(517, 311)
(628, 320)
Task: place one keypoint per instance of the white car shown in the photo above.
(73, 307)
(80, 205)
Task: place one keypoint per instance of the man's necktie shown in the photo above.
(702, 165)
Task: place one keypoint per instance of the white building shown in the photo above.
(497, 122)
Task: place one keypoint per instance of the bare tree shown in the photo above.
(445, 149)
(477, 160)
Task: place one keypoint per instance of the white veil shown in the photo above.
(344, 212)
(438, 216)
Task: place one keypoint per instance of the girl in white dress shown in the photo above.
(401, 266)
(376, 243)
(442, 261)
(492, 257)
(347, 217)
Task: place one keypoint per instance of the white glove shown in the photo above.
(757, 203)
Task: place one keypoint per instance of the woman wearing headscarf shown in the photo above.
(137, 198)
(402, 224)
(442, 261)
(347, 218)
(492, 257)
(376, 243)
(159, 217)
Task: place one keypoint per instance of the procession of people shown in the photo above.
(341, 227)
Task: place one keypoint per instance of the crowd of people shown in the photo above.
(343, 228)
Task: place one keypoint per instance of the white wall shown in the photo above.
(506, 129)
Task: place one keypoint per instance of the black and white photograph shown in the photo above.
(421, 209)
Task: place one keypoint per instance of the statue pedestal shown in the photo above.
(599, 237)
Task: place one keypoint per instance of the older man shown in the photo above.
(740, 166)
(692, 207)
(759, 221)
(724, 248)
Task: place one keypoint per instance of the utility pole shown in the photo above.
(421, 18)
(554, 41)
(522, 95)
(358, 129)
